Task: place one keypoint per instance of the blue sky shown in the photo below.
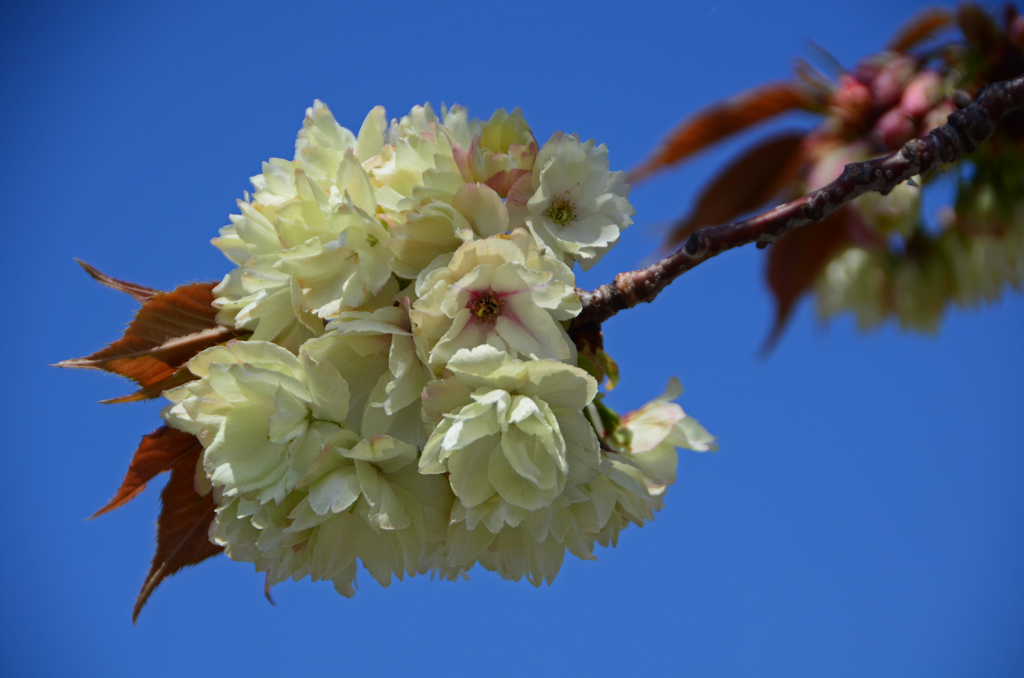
(864, 515)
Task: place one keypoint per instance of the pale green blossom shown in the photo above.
(967, 263)
(651, 435)
(342, 272)
(359, 499)
(261, 413)
(374, 352)
(983, 264)
(415, 164)
(897, 212)
(518, 543)
(309, 241)
(510, 429)
(436, 228)
(500, 291)
(519, 454)
(571, 202)
(854, 279)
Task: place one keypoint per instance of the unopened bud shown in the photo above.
(923, 92)
(894, 129)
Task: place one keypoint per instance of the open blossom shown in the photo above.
(500, 291)
(571, 202)
(639, 466)
(651, 435)
(437, 228)
(511, 428)
(516, 447)
(359, 499)
(295, 457)
(662, 422)
(416, 163)
(594, 508)
(261, 413)
(624, 484)
(309, 242)
(374, 352)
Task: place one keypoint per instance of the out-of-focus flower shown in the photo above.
(883, 259)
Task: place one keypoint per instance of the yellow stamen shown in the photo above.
(561, 211)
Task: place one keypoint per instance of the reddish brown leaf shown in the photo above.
(266, 589)
(978, 26)
(919, 28)
(182, 376)
(723, 119)
(160, 451)
(167, 331)
(747, 183)
(140, 293)
(182, 529)
(795, 262)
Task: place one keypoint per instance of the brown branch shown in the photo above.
(963, 132)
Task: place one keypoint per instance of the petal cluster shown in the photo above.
(407, 396)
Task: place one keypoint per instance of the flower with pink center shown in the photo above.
(501, 291)
(497, 152)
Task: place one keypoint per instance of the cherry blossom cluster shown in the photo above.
(408, 397)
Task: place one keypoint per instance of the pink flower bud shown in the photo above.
(888, 85)
(894, 129)
(923, 92)
(851, 100)
(1015, 30)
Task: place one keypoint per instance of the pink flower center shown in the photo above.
(487, 307)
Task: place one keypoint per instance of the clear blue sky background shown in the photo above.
(864, 517)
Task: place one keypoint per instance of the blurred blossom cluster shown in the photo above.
(405, 392)
(878, 257)
(893, 262)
